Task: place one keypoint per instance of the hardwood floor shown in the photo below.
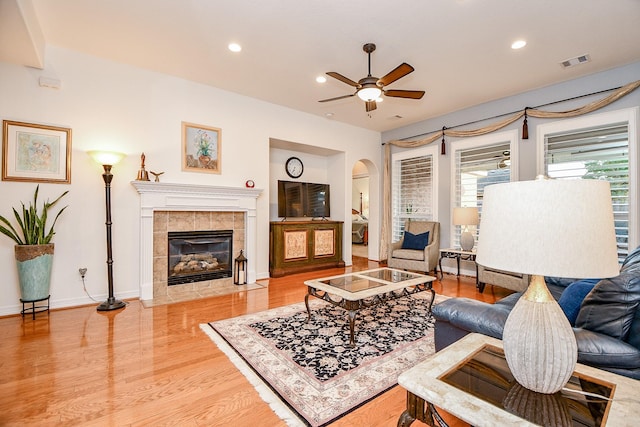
(154, 366)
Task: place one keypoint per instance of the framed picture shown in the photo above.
(201, 148)
(36, 153)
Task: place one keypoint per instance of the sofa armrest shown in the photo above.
(394, 246)
(431, 253)
(473, 316)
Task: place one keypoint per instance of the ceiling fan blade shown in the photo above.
(370, 105)
(337, 97)
(412, 94)
(343, 79)
(400, 71)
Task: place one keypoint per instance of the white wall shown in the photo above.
(118, 107)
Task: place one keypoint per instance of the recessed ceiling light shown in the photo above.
(518, 44)
(235, 47)
(321, 79)
(328, 115)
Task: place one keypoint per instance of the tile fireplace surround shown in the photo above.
(180, 207)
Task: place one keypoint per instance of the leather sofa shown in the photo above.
(607, 325)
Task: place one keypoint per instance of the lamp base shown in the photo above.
(539, 343)
(466, 241)
(111, 304)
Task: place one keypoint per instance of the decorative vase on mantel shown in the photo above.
(34, 264)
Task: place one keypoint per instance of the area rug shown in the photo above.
(307, 372)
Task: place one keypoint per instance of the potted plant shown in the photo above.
(33, 249)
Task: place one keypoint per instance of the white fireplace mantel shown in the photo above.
(160, 196)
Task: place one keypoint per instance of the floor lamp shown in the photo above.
(107, 160)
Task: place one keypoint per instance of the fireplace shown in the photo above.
(196, 256)
(168, 207)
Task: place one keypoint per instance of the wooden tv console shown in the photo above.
(299, 246)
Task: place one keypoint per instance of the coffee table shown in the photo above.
(471, 380)
(362, 289)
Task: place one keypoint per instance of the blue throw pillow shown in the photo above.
(415, 241)
(571, 298)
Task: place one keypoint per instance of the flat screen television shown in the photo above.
(303, 199)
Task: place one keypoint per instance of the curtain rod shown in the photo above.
(512, 112)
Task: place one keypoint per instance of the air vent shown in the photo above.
(572, 62)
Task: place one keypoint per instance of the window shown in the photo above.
(412, 187)
(597, 148)
(480, 162)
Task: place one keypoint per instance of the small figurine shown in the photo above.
(157, 175)
(142, 173)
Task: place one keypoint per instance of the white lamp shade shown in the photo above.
(560, 228)
(369, 93)
(106, 157)
(465, 216)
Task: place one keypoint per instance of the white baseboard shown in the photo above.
(9, 310)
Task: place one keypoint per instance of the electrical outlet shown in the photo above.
(82, 271)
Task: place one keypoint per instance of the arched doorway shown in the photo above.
(364, 210)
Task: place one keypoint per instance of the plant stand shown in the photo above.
(34, 308)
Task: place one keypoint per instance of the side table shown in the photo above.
(457, 254)
(471, 380)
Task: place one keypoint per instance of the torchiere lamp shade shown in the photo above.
(561, 228)
(106, 157)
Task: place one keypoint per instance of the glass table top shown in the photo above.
(366, 280)
(583, 402)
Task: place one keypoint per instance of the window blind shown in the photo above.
(412, 191)
(476, 168)
(596, 153)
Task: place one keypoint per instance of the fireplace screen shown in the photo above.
(195, 256)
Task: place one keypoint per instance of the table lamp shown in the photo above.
(466, 217)
(107, 160)
(561, 228)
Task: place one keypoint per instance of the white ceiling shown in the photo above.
(459, 48)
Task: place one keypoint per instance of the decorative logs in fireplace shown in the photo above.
(196, 262)
(196, 256)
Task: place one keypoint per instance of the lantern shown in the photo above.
(240, 270)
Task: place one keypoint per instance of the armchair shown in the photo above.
(416, 259)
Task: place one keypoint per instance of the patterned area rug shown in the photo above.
(307, 372)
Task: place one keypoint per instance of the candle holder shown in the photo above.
(240, 270)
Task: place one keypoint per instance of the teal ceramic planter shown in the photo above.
(34, 264)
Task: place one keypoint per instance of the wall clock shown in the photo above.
(294, 167)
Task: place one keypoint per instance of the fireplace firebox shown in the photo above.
(196, 256)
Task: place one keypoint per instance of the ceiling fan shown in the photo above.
(370, 88)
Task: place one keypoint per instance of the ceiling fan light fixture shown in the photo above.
(234, 47)
(369, 93)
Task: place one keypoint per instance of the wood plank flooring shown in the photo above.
(154, 366)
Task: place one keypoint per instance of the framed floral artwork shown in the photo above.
(201, 148)
(36, 153)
